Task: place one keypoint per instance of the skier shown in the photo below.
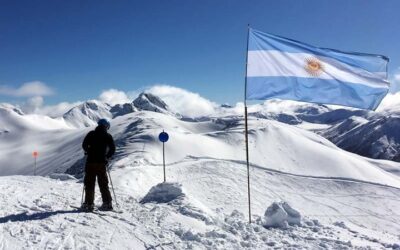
(99, 147)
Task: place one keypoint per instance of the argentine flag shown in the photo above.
(282, 68)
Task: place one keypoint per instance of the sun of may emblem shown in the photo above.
(314, 66)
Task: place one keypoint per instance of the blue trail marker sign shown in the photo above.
(163, 137)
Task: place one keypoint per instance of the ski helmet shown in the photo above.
(104, 122)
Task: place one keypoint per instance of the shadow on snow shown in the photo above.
(36, 216)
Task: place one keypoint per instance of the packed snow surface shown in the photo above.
(306, 192)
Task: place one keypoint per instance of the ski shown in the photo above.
(112, 210)
(94, 211)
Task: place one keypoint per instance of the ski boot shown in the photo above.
(106, 207)
(87, 207)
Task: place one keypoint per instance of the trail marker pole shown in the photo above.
(163, 137)
(163, 156)
(35, 154)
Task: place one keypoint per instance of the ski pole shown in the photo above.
(112, 186)
(83, 191)
(84, 175)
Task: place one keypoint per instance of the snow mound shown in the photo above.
(163, 193)
(280, 215)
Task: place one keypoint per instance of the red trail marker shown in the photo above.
(35, 154)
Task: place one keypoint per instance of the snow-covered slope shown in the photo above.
(346, 200)
(211, 213)
(23, 134)
(273, 145)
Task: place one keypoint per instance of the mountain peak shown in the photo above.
(150, 102)
(122, 109)
(9, 107)
(88, 113)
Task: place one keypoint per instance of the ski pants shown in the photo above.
(92, 171)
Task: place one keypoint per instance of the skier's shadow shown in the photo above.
(36, 216)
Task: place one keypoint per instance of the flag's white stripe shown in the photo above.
(277, 63)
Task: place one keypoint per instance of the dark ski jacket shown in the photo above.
(99, 145)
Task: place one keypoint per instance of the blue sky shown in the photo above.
(79, 48)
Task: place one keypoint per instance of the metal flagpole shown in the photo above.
(35, 154)
(246, 127)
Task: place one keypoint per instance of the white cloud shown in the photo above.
(179, 100)
(29, 89)
(114, 96)
(182, 101)
(391, 101)
(57, 110)
(396, 82)
(33, 104)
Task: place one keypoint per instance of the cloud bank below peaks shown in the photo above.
(183, 102)
(390, 102)
(114, 96)
(179, 100)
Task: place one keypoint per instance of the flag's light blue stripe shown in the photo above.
(263, 41)
(328, 91)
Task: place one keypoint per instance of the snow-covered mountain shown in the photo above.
(376, 137)
(87, 114)
(367, 133)
(11, 119)
(150, 102)
(6, 106)
(345, 200)
(123, 109)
